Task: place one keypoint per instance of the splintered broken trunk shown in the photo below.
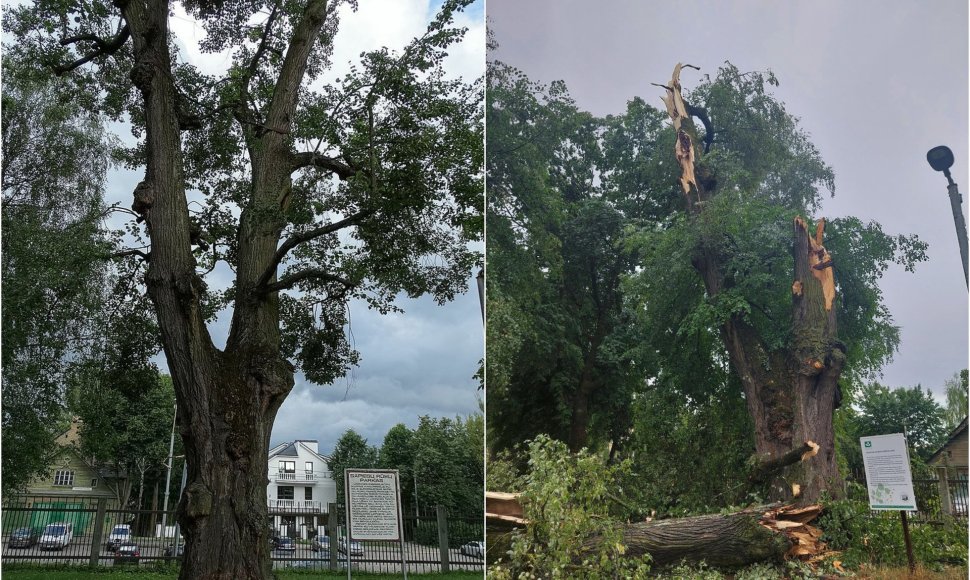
(760, 534)
(790, 392)
(764, 534)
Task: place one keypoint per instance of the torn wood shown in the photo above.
(684, 147)
(768, 467)
(504, 507)
(759, 534)
(820, 260)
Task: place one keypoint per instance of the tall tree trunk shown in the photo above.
(229, 399)
(790, 392)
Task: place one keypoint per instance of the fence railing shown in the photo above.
(433, 542)
(944, 495)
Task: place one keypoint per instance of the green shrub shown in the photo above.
(571, 534)
(877, 539)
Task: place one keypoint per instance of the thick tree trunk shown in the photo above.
(227, 400)
(790, 393)
(724, 541)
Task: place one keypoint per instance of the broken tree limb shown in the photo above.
(762, 534)
(767, 468)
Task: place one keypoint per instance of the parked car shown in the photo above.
(120, 534)
(127, 553)
(285, 544)
(476, 549)
(320, 543)
(171, 551)
(23, 538)
(356, 548)
(56, 536)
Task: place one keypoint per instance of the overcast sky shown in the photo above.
(420, 362)
(875, 83)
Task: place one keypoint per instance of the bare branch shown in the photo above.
(299, 238)
(311, 159)
(310, 274)
(104, 48)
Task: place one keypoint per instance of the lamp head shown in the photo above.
(940, 159)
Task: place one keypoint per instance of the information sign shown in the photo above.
(888, 476)
(373, 504)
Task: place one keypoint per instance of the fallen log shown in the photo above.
(770, 533)
(763, 534)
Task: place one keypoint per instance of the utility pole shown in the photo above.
(168, 473)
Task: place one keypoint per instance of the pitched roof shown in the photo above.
(953, 435)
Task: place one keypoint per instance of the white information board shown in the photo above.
(888, 476)
(373, 504)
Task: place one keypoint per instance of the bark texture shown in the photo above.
(228, 399)
(790, 393)
(729, 541)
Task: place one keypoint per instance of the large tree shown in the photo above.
(754, 278)
(54, 163)
(555, 263)
(311, 194)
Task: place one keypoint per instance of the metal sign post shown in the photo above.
(373, 499)
(889, 479)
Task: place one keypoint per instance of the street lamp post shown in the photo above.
(941, 159)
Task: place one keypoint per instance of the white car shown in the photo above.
(120, 534)
(476, 549)
(56, 536)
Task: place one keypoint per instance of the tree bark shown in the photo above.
(723, 541)
(790, 392)
(228, 400)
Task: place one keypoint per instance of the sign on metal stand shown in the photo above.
(374, 508)
(889, 479)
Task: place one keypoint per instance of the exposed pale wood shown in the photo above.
(501, 506)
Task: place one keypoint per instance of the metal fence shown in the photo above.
(944, 495)
(434, 541)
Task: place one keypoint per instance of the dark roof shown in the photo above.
(953, 435)
(289, 450)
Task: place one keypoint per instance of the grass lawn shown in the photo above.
(38, 573)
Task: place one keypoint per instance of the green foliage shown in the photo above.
(55, 158)
(557, 349)
(693, 452)
(956, 398)
(448, 465)
(351, 451)
(911, 410)
(567, 501)
(877, 539)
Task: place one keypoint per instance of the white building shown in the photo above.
(300, 487)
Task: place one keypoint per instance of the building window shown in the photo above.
(308, 494)
(287, 466)
(64, 477)
(94, 483)
(284, 492)
(309, 467)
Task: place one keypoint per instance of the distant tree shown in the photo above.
(351, 451)
(397, 452)
(956, 398)
(448, 470)
(55, 154)
(911, 410)
(555, 265)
